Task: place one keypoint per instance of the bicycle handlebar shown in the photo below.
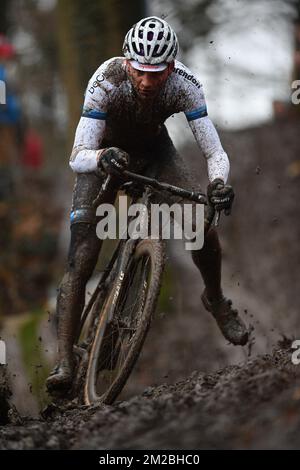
(195, 196)
(175, 190)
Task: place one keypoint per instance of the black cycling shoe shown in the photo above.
(61, 377)
(231, 325)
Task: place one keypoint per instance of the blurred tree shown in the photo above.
(69, 60)
(90, 33)
(296, 72)
(3, 16)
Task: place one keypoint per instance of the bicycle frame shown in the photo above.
(129, 244)
(126, 252)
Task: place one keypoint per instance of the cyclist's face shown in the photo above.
(148, 84)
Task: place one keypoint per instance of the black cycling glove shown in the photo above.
(113, 160)
(220, 195)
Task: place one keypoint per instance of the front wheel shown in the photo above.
(123, 323)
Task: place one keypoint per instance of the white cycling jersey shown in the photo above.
(113, 113)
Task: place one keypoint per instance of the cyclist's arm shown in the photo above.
(204, 131)
(90, 130)
(86, 151)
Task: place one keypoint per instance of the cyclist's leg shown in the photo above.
(171, 168)
(82, 258)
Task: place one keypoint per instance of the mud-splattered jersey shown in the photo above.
(113, 114)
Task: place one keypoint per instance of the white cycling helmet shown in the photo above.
(151, 41)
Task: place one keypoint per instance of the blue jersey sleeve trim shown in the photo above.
(93, 114)
(196, 113)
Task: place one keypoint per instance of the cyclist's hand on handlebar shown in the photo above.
(113, 160)
(220, 195)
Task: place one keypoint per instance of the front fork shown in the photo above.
(126, 253)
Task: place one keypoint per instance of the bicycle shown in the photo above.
(115, 321)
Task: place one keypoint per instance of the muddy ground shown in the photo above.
(191, 389)
(252, 406)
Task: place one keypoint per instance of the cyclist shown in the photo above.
(126, 104)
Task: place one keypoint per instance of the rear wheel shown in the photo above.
(123, 323)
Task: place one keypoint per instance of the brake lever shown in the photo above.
(102, 191)
(218, 215)
(217, 218)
